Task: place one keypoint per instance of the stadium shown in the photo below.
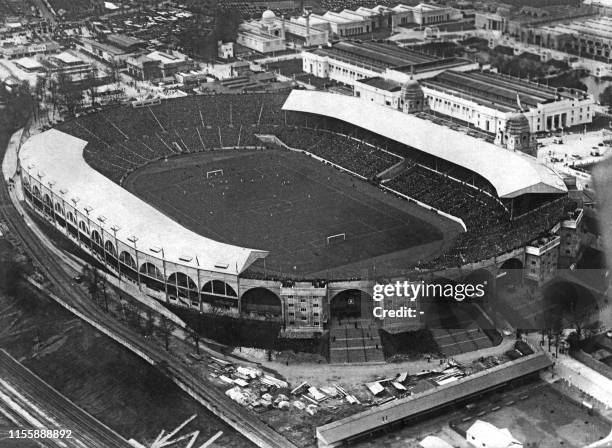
(283, 206)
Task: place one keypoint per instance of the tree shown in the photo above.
(166, 327)
(91, 279)
(65, 94)
(195, 335)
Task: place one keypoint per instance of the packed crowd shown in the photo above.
(477, 210)
(349, 153)
(122, 139)
(490, 230)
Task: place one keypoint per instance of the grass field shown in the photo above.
(286, 203)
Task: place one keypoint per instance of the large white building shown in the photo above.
(486, 100)
(348, 23)
(490, 102)
(273, 34)
(348, 62)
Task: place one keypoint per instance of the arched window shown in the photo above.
(83, 227)
(219, 287)
(47, 200)
(110, 248)
(127, 259)
(71, 218)
(59, 209)
(182, 281)
(151, 270)
(36, 191)
(95, 236)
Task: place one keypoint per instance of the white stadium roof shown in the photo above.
(511, 173)
(58, 158)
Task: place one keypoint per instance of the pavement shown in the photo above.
(578, 375)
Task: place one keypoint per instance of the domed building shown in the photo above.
(268, 16)
(516, 134)
(412, 97)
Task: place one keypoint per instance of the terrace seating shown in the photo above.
(342, 150)
(122, 139)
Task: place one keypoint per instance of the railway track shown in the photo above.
(59, 412)
(229, 411)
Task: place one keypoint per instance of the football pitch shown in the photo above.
(286, 203)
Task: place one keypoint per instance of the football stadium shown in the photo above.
(283, 206)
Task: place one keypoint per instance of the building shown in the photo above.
(115, 49)
(126, 43)
(225, 50)
(486, 435)
(541, 259)
(590, 38)
(273, 34)
(348, 62)
(488, 100)
(522, 23)
(345, 23)
(71, 66)
(348, 23)
(424, 15)
(158, 65)
(573, 238)
(29, 65)
(362, 424)
(13, 51)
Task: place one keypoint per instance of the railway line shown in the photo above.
(53, 410)
(202, 388)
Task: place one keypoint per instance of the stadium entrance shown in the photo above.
(510, 273)
(354, 333)
(351, 304)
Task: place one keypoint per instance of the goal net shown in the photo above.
(331, 239)
(214, 173)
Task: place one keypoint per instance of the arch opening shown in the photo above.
(261, 301)
(351, 304)
(219, 287)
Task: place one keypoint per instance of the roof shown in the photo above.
(382, 83)
(124, 41)
(166, 58)
(67, 58)
(28, 63)
(397, 410)
(511, 173)
(500, 91)
(493, 436)
(59, 157)
(103, 46)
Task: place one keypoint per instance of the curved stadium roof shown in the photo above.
(58, 158)
(511, 173)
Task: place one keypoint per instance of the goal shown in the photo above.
(214, 173)
(331, 239)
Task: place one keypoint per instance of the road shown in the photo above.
(208, 393)
(36, 405)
